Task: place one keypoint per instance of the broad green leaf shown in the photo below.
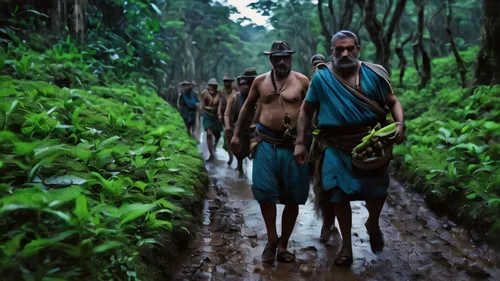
(133, 211)
(141, 185)
(168, 190)
(106, 246)
(156, 9)
(11, 247)
(37, 245)
(81, 210)
(471, 196)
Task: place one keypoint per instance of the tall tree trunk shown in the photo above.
(418, 48)
(399, 50)
(382, 40)
(324, 28)
(460, 63)
(488, 61)
(188, 49)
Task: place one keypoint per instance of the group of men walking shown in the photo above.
(269, 119)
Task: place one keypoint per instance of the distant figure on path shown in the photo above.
(234, 105)
(226, 93)
(277, 178)
(209, 105)
(351, 95)
(188, 104)
(315, 60)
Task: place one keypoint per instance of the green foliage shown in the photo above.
(91, 180)
(452, 153)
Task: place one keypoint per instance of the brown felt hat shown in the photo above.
(227, 77)
(213, 81)
(185, 82)
(280, 48)
(248, 75)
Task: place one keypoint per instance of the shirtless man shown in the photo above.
(234, 104)
(277, 178)
(226, 92)
(209, 104)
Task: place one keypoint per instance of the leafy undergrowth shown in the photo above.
(94, 185)
(452, 151)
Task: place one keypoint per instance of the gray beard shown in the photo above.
(345, 66)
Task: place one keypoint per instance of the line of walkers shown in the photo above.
(269, 120)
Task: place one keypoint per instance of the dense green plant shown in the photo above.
(91, 180)
(452, 154)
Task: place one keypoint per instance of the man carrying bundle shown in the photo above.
(210, 99)
(234, 105)
(351, 96)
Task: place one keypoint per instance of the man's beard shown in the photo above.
(345, 64)
(282, 70)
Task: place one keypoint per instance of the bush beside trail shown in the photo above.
(452, 153)
(96, 184)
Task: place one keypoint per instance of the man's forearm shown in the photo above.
(303, 124)
(397, 112)
(227, 122)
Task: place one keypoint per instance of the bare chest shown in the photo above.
(211, 100)
(292, 92)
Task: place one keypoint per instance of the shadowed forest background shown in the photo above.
(98, 178)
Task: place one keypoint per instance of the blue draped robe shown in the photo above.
(339, 108)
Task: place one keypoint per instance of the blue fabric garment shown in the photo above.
(277, 178)
(339, 108)
(189, 103)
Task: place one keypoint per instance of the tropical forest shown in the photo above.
(101, 178)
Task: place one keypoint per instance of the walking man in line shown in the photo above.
(277, 178)
(188, 103)
(315, 60)
(226, 92)
(210, 99)
(321, 205)
(351, 95)
(234, 105)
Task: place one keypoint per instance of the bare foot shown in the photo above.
(344, 257)
(326, 232)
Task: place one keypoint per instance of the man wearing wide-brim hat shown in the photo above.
(210, 99)
(234, 104)
(188, 103)
(277, 178)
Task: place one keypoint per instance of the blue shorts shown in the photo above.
(343, 183)
(277, 178)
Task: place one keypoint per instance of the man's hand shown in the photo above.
(235, 144)
(220, 117)
(228, 131)
(400, 134)
(300, 153)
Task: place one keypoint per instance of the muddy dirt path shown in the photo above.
(419, 245)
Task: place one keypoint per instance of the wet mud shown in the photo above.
(419, 245)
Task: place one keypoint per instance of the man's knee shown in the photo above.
(209, 133)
